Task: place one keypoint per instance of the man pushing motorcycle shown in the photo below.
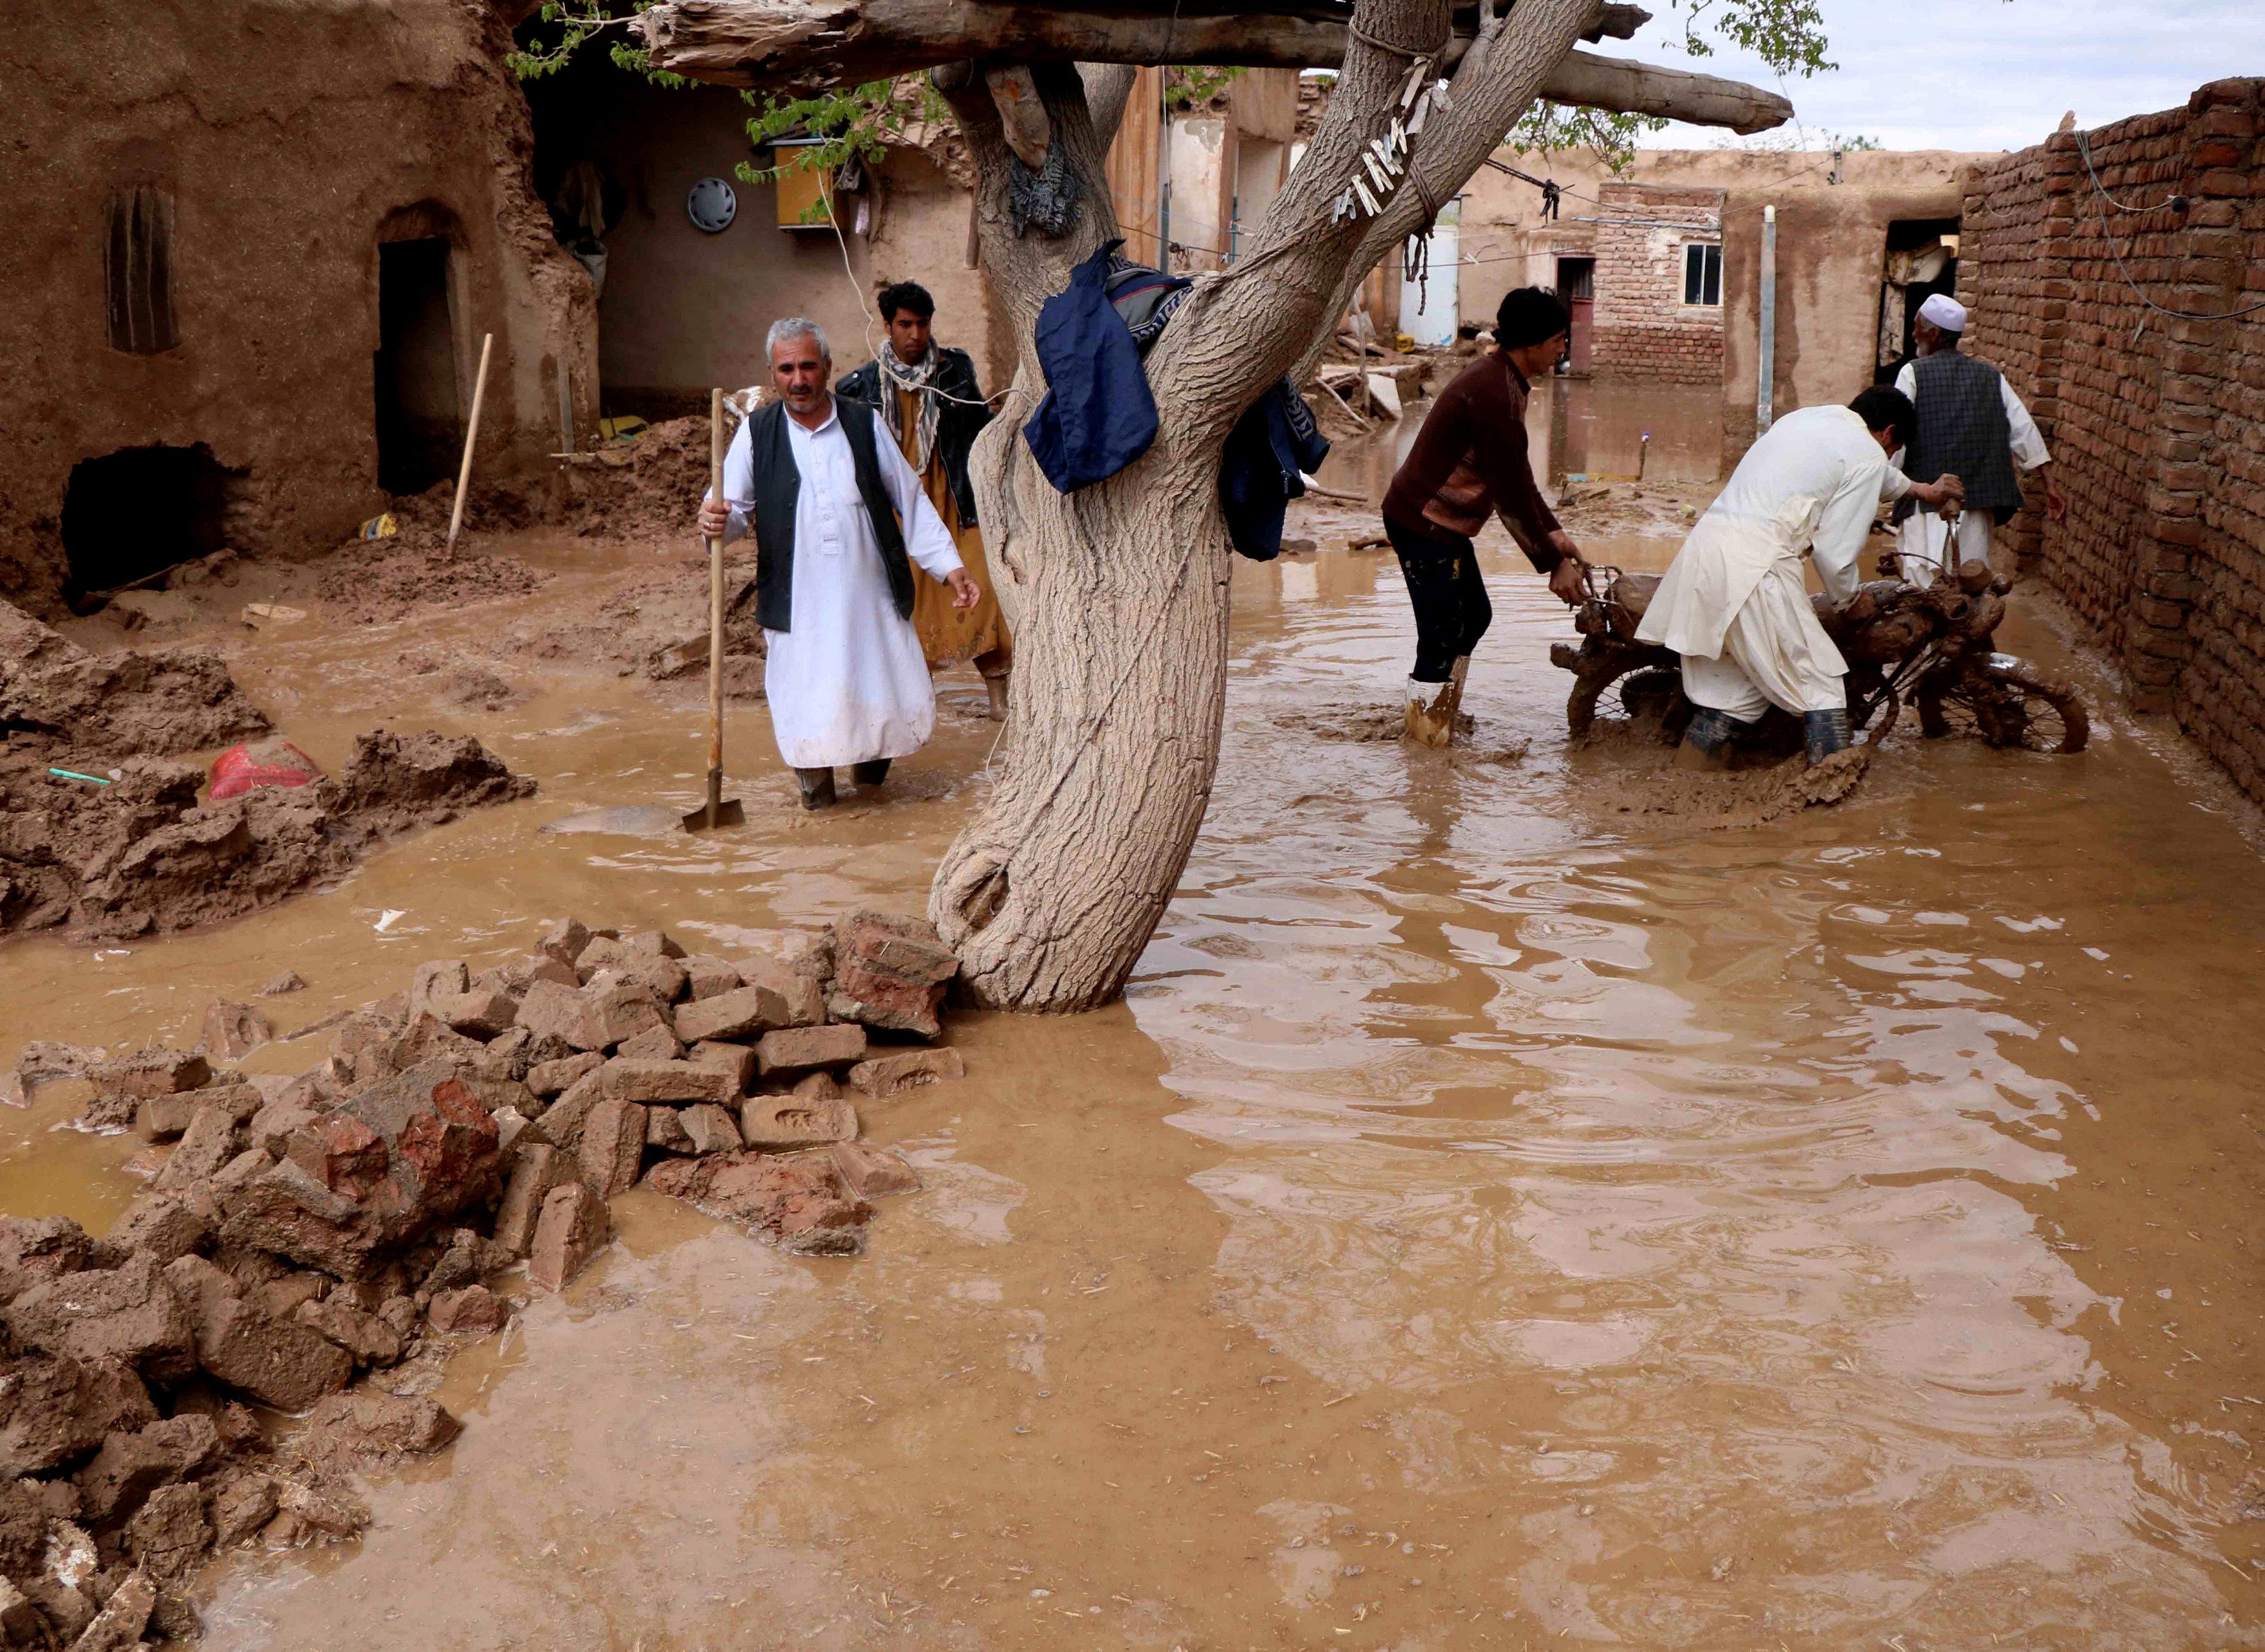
(1733, 604)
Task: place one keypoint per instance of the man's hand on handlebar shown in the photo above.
(1566, 579)
(1946, 494)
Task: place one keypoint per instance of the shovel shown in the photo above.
(717, 810)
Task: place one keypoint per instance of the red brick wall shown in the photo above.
(1644, 330)
(2157, 422)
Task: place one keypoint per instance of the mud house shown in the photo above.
(1662, 264)
(253, 250)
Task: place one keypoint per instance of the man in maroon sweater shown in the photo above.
(1470, 461)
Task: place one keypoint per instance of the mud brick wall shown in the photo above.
(1644, 330)
(2156, 420)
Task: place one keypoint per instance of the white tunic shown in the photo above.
(847, 682)
(1814, 482)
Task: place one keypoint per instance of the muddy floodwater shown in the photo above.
(1491, 1219)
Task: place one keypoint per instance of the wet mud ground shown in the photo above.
(1491, 1219)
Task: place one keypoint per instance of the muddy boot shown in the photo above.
(1707, 741)
(871, 774)
(1457, 674)
(1431, 713)
(996, 687)
(1824, 733)
(817, 787)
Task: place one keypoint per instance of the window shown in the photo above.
(138, 270)
(1703, 273)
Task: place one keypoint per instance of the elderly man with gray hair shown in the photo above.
(839, 520)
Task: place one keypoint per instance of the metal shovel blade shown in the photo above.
(716, 811)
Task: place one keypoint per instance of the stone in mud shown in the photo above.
(664, 1130)
(613, 1146)
(741, 1013)
(273, 1125)
(890, 970)
(131, 1464)
(737, 1059)
(278, 1362)
(163, 1225)
(817, 1086)
(118, 1627)
(532, 1174)
(710, 1128)
(368, 1339)
(44, 1246)
(244, 1502)
(325, 1514)
(366, 1428)
(436, 979)
(573, 1228)
(282, 1297)
(549, 1078)
(289, 981)
(236, 1175)
(563, 1120)
(381, 1171)
(429, 1038)
(892, 1074)
(799, 1202)
(55, 1409)
(163, 1117)
(151, 1073)
(470, 1310)
(564, 940)
(208, 1145)
(170, 1533)
(709, 978)
(673, 1082)
(873, 1172)
(779, 1122)
(547, 968)
(655, 1043)
(108, 1115)
(125, 1313)
(596, 1017)
(234, 1030)
(657, 943)
(481, 1013)
(799, 1048)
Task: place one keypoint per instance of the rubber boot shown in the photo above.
(996, 687)
(1824, 733)
(1706, 740)
(871, 773)
(1431, 713)
(1457, 674)
(817, 787)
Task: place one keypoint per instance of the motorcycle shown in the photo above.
(1924, 645)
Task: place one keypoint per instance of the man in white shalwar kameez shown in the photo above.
(1733, 603)
(1971, 423)
(838, 518)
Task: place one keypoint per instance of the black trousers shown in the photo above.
(1452, 610)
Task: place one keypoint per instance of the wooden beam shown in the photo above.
(782, 44)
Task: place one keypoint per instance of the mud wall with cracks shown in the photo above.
(198, 198)
(2150, 389)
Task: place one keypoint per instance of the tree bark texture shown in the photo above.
(779, 43)
(1118, 593)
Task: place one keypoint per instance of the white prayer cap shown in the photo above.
(1944, 311)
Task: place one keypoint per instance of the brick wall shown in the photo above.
(1643, 330)
(2157, 422)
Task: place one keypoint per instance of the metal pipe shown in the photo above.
(1766, 369)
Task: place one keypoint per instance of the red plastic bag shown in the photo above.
(241, 768)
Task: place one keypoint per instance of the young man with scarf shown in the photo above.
(926, 395)
(1470, 462)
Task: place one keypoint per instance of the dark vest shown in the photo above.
(1962, 430)
(778, 486)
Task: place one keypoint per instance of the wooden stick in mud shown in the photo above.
(471, 435)
(715, 812)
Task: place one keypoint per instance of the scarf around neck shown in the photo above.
(920, 378)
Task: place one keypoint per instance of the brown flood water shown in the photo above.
(1485, 1223)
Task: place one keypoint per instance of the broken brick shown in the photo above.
(799, 1049)
(892, 1075)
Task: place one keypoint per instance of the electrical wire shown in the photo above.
(2084, 149)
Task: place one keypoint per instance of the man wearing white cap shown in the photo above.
(1972, 427)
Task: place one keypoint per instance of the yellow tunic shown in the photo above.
(947, 634)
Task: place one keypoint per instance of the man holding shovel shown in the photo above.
(839, 520)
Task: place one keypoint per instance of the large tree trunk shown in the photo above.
(1118, 593)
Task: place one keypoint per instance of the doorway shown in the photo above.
(1576, 285)
(420, 420)
(1921, 260)
(139, 511)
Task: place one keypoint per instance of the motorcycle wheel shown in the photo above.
(1873, 705)
(1589, 686)
(2007, 703)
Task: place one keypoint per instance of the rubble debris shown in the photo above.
(302, 1233)
(140, 854)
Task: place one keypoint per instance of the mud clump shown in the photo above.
(315, 1245)
(153, 704)
(634, 488)
(396, 583)
(1739, 798)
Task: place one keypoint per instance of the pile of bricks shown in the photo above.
(2155, 418)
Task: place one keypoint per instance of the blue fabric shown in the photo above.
(1097, 416)
(1274, 441)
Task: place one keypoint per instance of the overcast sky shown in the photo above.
(1985, 74)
